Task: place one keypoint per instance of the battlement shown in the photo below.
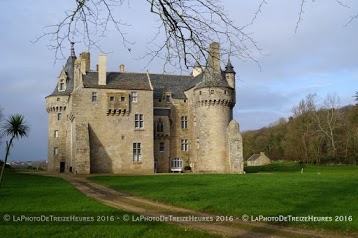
(202, 103)
(55, 109)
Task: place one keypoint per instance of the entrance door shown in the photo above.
(62, 167)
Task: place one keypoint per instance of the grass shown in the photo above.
(320, 191)
(34, 195)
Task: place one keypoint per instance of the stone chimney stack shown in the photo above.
(102, 69)
(87, 60)
(121, 68)
(214, 58)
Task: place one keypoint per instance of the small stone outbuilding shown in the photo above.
(258, 160)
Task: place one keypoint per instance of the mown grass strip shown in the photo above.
(33, 195)
(319, 191)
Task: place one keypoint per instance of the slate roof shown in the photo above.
(254, 157)
(176, 84)
(229, 68)
(161, 83)
(117, 80)
(69, 69)
(213, 80)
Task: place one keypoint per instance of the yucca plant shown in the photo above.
(15, 127)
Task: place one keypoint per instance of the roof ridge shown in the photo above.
(181, 75)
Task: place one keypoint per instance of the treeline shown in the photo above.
(318, 132)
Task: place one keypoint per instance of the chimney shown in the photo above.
(214, 58)
(102, 69)
(83, 66)
(121, 68)
(87, 58)
(262, 153)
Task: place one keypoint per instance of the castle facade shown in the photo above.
(143, 123)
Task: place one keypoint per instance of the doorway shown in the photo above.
(62, 167)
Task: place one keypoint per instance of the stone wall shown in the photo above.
(82, 149)
(236, 159)
(111, 135)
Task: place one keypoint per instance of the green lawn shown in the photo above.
(33, 195)
(320, 191)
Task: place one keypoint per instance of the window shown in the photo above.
(199, 92)
(56, 134)
(55, 151)
(137, 152)
(62, 85)
(160, 126)
(123, 99)
(161, 146)
(94, 97)
(138, 121)
(184, 145)
(58, 116)
(167, 99)
(212, 91)
(58, 99)
(111, 98)
(134, 97)
(225, 92)
(184, 122)
(177, 165)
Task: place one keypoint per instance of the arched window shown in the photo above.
(160, 126)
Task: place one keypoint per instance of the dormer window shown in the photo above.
(62, 81)
(62, 85)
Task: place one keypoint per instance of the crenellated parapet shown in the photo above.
(56, 104)
(214, 96)
(220, 102)
(50, 109)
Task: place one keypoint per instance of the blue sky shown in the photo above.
(321, 57)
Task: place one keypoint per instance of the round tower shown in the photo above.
(213, 112)
(57, 109)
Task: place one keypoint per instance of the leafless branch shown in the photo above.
(87, 23)
(189, 26)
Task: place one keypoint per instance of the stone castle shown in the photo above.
(122, 122)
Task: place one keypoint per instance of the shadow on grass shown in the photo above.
(275, 167)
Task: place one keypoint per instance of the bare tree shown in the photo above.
(328, 120)
(302, 11)
(188, 27)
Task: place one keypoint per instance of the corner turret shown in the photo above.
(230, 74)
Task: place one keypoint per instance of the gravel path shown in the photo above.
(141, 206)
